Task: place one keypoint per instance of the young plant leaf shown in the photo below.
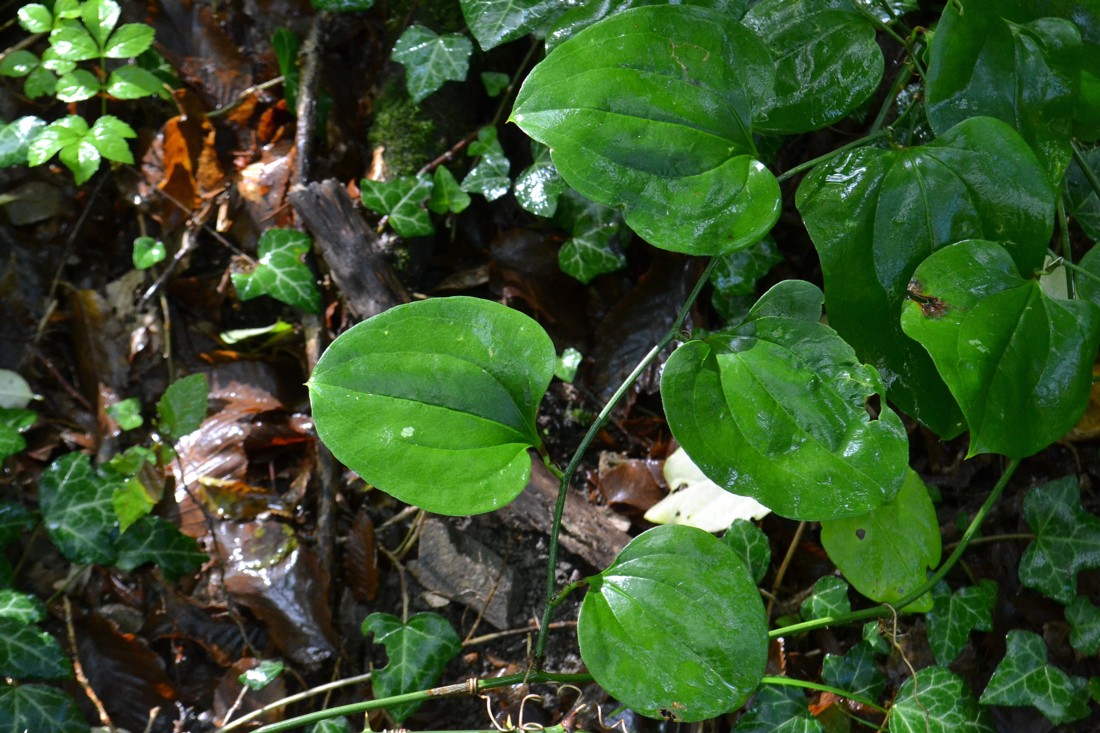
(751, 545)
(77, 510)
(129, 41)
(127, 413)
(495, 82)
(597, 230)
(1067, 540)
(667, 137)
(1084, 624)
(888, 552)
(20, 607)
(39, 708)
(72, 42)
(955, 615)
(874, 215)
(1018, 362)
(402, 201)
(15, 519)
(28, 652)
(286, 45)
(133, 82)
(418, 651)
(734, 280)
(778, 709)
(430, 59)
(447, 195)
(538, 187)
(936, 700)
(675, 627)
(434, 402)
(828, 61)
(493, 22)
(100, 18)
(15, 140)
(262, 675)
(41, 82)
(856, 672)
(774, 409)
(155, 540)
(35, 18)
(15, 393)
(281, 271)
(182, 407)
(1003, 59)
(490, 176)
(18, 64)
(76, 86)
(829, 599)
(148, 252)
(1024, 678)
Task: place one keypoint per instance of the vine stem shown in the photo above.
(886, 609)
(470, 687)
(565, 477)
(846, 694)
(865, 140)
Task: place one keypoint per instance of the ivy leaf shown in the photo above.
(856, 672)
(1003, 59)
(77, 510)
(872, 637)
(129, 41)
(751, 545)
(734, 279)
(182, 407)
(778, 709)
(155, 540)
(680, 605)
(874, 215)
(418, 651)
(1084, 625)
(72, 42)
(829, 599)
(493, 22)
(490, 176)
(597, 230)
(20, 607)
(39, 708)
(77, 86)
(828, 61)
(133, 82)
(447, 195)
(936, 700)
(668, 136)
(402, 201)
(887, 552)
(587, 256)
(281, 271)
(1018, 362)
(1067, 540)
(379, 405)
(431, 59)
(495, 82)
(14, 520)
(1024, 678)
(954, 615)
(28, 652)
(331, 725)
(774, 409)
(537, 188)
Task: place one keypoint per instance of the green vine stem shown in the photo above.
(847, 695)
(468, 688)
(886, 609)
(565, 477)
(866, 140)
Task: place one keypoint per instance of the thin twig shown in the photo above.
(791, 549)
(78, 669)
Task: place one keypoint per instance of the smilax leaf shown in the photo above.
(1024, 678)
(775, 409)
(1018, 362)
(936, 700)
(182, 407)
(675, 627)
(434, 402)
(667, 135)
(418, 651)
(1067, 539)
(887, 552)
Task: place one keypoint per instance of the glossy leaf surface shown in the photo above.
(828, 61)
(774, 409)
(667, 137)
(490, 176)
(418, 651)
(594, 248)
(38, 707)
(77, 510)
(430, 59)
(132, 82)
(28, 652)
(955, 615)
(493, 22)
(182, 407)
(402, 200)
(20, 607)
(434, 402)
(887, 552)
(937, 701)
(447, 196)
(1018, 362)
(281, 271)
(1082, 201)
(1024, 678)
(1003, 59)
(1067, 540)
(856, 672)
(778, 709)
(15, 140)
(751, 545)
(828, 600)
(1084, 623)
(675, 627)
(155, 540)
(538, 186)
(874, 215)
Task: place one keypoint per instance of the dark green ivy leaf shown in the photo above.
(829, 599)
(856, 672)
(537, 188)
(1024, 678)
(431, 59)
(14, 520)
(418, 651)
(20, 607)
(15, 140)
(77, 510)
(954, 615)
(937, 700)
(490, 176)
(38, 708)
(1067, 539)
(281, 271)
(778, 709)
(402, 200)
(1084, 623)
(493, 22)
(447, 195)
(29, 653)
(751, 545)
(154, 540)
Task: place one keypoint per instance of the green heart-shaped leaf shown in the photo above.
(666, 136)
(434, 402)
(1018, 362)
(775, 409)
(675, 627)
(874, 215)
